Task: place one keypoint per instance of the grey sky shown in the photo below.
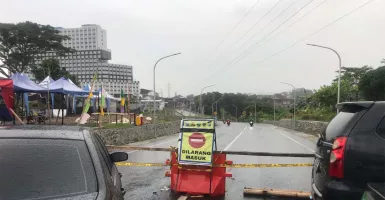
(140, 32)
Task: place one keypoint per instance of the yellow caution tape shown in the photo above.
(265, 165)
(137, 164)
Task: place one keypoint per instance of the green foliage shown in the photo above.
(20, 43)
(51, 67)
(372, 85)
(244, 103)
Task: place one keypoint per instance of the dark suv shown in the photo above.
(350, 152)
(57, 162)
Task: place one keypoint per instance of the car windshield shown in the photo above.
(45, 169)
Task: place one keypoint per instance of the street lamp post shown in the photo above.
(255, 112)
(203, 110)
(154, 87)
(200, 98)
(236, 112)
(216, 104)
(274, 107)
(339, 71)
(294, 97)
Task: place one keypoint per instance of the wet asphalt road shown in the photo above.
(147, 182)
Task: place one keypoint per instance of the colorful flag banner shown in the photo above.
(122, 100)
(85, 116)
(102, 101)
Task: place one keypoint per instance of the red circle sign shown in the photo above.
(197, 140)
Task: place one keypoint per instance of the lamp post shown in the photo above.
(255, 112)
(154, 87)
(203, 110)
(216, 104)
(294, 96)
(200, 98)
(339, 71)
(236, 112)
(274, 106)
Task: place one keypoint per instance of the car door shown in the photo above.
(116, 176)
(116, 184)
(340, 126)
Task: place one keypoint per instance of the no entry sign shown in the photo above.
(197, 139)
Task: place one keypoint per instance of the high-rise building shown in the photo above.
(87, 37)
(92, 55)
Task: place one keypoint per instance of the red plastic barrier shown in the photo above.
(198, 180)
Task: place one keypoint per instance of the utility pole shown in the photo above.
(168, 89)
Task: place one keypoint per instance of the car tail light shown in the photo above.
(336, 167)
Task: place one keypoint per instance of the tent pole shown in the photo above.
(14, 116)
(22, 105)
(62, 110)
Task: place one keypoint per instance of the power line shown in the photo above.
(299, 19)
(279, 1)
(324, 27)
(270, 23)
(243, 54)
(232, 30)
(319, 30)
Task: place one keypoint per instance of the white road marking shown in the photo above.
(231, 143)
(280, 132)
(165, 142)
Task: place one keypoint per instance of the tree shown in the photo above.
(372, 85)
(326, 96)
(352, 76)
(20, 44)
(52, 68)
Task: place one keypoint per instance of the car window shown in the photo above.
(101, 150)
(381, 128)
(45, 168)
(340, 124)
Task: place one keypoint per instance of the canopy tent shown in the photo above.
(7, 93)
(21, 83)
(107, 95)
(64, 86)
(44, 83)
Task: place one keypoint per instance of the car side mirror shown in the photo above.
(118, 156)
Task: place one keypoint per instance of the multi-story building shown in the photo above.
(91, 56)
(135, 88)
(87, 37)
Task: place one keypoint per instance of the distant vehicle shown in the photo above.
(48, 162)
(251, 123)
(375, 191)
(228, 122)
(350, 152)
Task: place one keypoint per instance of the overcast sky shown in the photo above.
(140, 32)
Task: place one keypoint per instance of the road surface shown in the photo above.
(149, 182)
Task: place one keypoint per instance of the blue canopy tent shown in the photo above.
(65, 87)
(22, 84)
(44, 84)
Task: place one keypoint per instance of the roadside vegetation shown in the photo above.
(357, 84)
